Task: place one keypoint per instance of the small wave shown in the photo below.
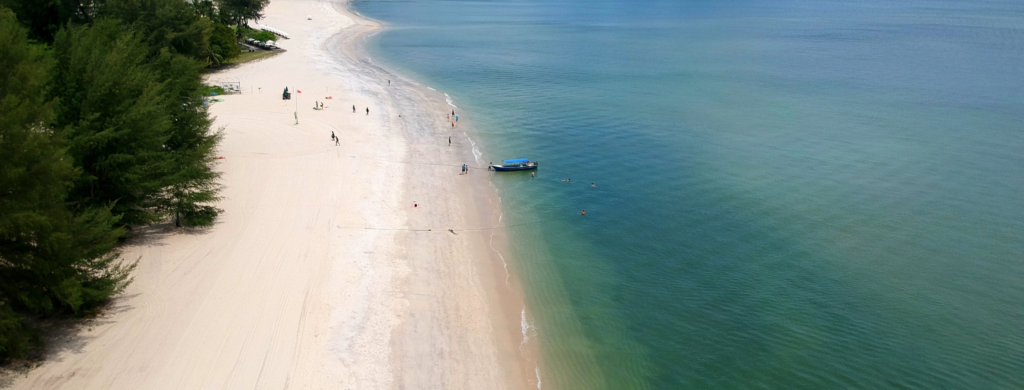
(432, 89)
(537, 370)
(476, 151)
(449, 100)
(526, 327)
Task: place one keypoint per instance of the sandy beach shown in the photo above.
(320, 273)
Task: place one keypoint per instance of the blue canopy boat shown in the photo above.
(519, 164)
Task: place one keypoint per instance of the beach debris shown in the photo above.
(452, 232)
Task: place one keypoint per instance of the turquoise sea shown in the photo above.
(789, 194)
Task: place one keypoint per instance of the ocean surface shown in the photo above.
(792, 194)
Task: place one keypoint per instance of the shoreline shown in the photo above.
(318, 273)
(505, 288)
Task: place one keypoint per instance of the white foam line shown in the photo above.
(503, 262)
(476, 151)
(449, 100)
(526, 328)
(537, 370)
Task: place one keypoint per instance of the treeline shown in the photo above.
(102, 130)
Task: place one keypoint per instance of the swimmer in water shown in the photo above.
(584, 212)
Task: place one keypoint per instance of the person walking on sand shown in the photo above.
(449, 141)
(333, 137)
(463, 169)
(367, 110)
(353, 108)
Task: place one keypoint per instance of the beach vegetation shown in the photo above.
(103, 129)
(56, 256)
(240, 12)
(261, 36)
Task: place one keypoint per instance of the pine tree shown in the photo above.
(193, 189)
(52, 257)
(113, 112)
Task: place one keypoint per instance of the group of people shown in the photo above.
(454, 119)
(354, 109)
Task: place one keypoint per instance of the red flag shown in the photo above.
(298, 91)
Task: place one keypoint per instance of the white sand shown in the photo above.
(289, 289)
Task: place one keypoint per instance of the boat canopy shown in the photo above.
(518, 160)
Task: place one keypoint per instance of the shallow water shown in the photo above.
(788, 194)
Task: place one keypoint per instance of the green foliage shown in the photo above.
(223, 44)
(164, 25)
(114, 116)
(190, 145)
(44, 18)
(261, 36)
(15, 337)
(53, 255)
(101, 131)
(207, 89)
(240, 12)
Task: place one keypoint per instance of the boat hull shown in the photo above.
(520, 168)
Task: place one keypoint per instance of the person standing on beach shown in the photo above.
(332, 136)
(353, 108)
(367, 110)
(449, 141)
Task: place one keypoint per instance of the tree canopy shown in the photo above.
(103, 128)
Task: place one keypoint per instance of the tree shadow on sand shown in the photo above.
(64, 336)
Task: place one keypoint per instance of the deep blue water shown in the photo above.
(788, 194)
